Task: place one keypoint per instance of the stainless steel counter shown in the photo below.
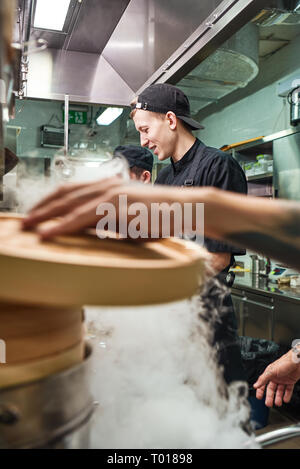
(266, 311)
(262, 285)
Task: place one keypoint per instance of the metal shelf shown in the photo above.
(256, 177)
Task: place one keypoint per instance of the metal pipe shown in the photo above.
(281, 434)
(28, 26)
(66, 124)
(2, 101)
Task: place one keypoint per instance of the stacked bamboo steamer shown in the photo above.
(44, 285)
(39, 341)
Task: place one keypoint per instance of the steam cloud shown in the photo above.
(157, 382)
(154, 372)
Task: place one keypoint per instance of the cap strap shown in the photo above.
(149, 107)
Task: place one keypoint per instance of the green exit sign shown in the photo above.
(77, 117)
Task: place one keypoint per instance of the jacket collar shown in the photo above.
(187, 157)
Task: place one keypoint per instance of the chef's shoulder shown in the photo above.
(219, 159)
(224, 171)
(219, 156)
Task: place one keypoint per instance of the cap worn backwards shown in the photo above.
(162, 97)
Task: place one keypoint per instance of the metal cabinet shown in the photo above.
(286, 321)
(268, 317)
(255, 314)
(258, 316)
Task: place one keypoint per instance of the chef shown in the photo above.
(161, 114)
(139, 159)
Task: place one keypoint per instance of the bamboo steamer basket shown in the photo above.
(43, 286)
(34, 370)
(32, 332)
(84, 270)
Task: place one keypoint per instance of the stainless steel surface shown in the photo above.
(281, 434)
(286, 155)
(150, 32)
(53, 412)
(87, 78)
(2, 96)
(254, 263)
(258, 316)
(66, 126)
(286, 322)
(149, 41)
(265, 309)
(266, 139)
(88, 26)
(219, 26)
(262, 285)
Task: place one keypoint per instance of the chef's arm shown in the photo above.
(271, 227)
(268, 226)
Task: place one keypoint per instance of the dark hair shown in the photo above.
(137, 171)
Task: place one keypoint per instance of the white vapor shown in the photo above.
(157, 382)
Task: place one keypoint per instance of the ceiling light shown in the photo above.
(109, 115)
(51, 14)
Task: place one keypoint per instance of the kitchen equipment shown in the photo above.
(44, 390)
(254, 263)
(294, 101)
(260, 265)
(295, 281)
(264, 266)
(49, 413)
(279, 271)
(87, 270)
(89, 167)
(270, 438)
(37, 332)
(237, 144)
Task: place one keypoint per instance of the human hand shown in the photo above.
(76, 204)
(278, 380)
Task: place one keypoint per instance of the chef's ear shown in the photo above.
(172, 120)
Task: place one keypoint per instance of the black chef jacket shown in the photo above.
(215, 168)
(218, 169)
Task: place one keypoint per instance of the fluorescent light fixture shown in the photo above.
(51, 14)
(109, 115)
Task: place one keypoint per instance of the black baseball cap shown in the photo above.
(136, 156)
(162, 98)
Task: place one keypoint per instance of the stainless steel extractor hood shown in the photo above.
(110, 50)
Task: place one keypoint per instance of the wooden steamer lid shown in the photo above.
(84, 270)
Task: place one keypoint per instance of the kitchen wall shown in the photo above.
(31, 114)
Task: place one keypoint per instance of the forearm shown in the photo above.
(271, 227)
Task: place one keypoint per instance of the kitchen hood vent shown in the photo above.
(232, 66)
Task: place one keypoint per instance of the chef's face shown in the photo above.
(155, 133)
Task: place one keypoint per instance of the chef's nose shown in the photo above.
(144, 141)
